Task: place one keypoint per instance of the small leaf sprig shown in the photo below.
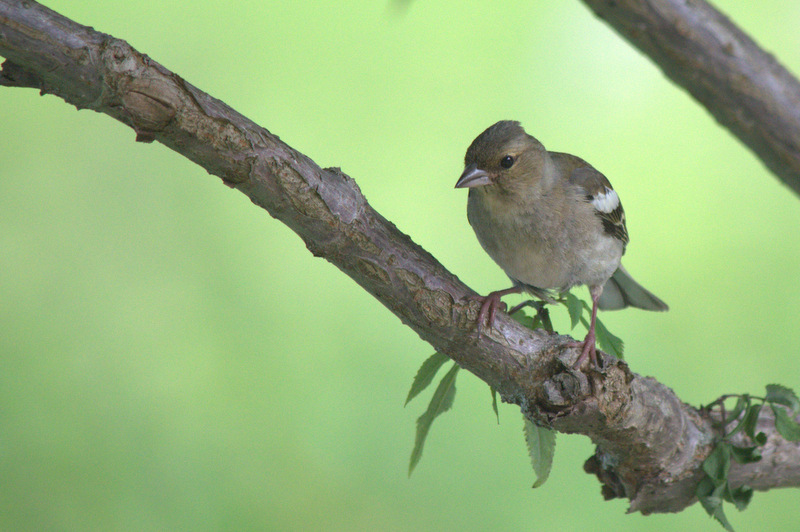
(540, 440)
(608, 342)
(441, 401)
(714, 489)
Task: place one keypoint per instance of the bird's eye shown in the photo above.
(507, 161)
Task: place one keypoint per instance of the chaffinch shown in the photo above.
(551, 222)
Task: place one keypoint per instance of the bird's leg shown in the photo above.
(491, 303)
(588, 346)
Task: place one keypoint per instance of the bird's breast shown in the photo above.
(544, 248)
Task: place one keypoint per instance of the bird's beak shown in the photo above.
(473, 177)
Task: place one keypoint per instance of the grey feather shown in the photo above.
(622, 291)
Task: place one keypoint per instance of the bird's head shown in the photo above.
(503, 159)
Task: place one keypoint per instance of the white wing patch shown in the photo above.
(606, 201)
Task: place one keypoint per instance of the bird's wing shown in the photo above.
(598, 191)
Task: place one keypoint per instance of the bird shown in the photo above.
(552, 222)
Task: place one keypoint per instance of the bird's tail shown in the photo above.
(622, 291)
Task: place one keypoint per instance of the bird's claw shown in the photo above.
(588, 350)
(489, 306)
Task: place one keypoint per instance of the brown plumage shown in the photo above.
(550, 221)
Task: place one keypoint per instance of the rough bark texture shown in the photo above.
(743, 86)
(649, 444)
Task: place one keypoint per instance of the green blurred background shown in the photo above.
(172, 358)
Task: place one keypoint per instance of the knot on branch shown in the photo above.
(150, 107)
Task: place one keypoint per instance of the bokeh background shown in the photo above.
(172, 358)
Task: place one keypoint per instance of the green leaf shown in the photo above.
(783, 396)
(710, 497)
(750, 420)
(741, 403)
(494, 404)
(544, 316)
(787, 427)
(613, 345)
(574, 307)
(441, 402)
(718, 463)
(705, 488)
(523, 319)
(425, 374)
(741, 497)
(541, 443)
(746, 455)
(714, 488)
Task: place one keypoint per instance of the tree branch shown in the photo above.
(744, 87)
(649, 444)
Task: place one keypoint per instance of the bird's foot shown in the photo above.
(588, 350)
(489, 306)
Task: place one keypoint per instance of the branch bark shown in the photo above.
(649, 444)
(741, 85)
